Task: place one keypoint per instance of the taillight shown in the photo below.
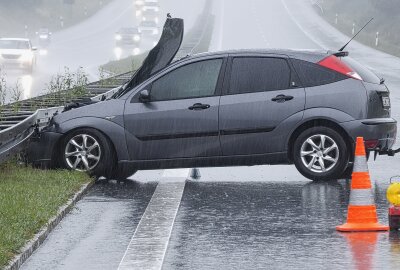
(334, 63)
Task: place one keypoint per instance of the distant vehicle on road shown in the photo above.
(44, 37)
(138, 6)
(150, 16)
(151, 6)
(17, 53)
(148, 28)
(127, 36)
(230, 108)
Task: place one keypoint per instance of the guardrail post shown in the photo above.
(353, 29)
(377, 39)
(336, 18)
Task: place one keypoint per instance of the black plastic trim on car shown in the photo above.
(156, 137)
(246, 131)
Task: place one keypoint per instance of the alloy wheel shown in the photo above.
(82, 153)
(319, 153)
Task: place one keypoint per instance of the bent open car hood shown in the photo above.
(157, 59)
(162, 54)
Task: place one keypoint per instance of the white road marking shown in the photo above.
(311, 37)
(149, 243)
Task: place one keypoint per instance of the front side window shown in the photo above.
(258, 74)
(193, 80)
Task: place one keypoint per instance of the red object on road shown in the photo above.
(394, 217)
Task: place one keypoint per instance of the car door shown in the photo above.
(181, 119)
(261, 104)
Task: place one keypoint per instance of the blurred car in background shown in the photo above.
(138, 5)
(153, 5)
(151, 16)
(44, 40)
(17, 53)
(148, 28)
(127, 36)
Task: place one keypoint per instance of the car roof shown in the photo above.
(16, 39)
(306, 55)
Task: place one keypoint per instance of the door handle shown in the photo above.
(199, 106)
(282, 98)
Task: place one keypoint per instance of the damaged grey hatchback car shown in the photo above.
(231, 108)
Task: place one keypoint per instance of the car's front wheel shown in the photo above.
(88, 150)
(320, 153)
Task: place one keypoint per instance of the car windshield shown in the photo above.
(128, 31)
(151, 4)
(14, 44)
(149, 23)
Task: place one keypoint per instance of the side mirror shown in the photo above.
(144, 96)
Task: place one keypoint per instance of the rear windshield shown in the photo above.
(366, 74)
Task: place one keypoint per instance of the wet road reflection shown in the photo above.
(269, 225)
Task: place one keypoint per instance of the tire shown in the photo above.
(328, 162)
(347, 172)
(97, 153)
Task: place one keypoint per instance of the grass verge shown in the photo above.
(28, 199)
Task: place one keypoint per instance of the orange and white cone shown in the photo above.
(361, 215)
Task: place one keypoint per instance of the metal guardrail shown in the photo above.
(14, 139)
(17, 127)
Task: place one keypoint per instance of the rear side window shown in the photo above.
(258, 74)
(197, 79)
(366, 74)
(313, 75)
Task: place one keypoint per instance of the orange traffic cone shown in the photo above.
(361, 215)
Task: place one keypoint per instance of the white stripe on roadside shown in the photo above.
(149, 243)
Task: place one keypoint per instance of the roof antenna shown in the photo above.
(341, 49)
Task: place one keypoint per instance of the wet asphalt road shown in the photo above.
(267, 225)
(251, 224)
(96, 233)
(264, 217)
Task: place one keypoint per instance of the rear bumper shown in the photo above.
(382, 129)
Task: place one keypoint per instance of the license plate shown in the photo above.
(386, 101)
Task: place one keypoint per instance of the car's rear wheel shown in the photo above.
(320, 153)
(88, 150)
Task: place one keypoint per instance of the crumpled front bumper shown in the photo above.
(42, 148)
